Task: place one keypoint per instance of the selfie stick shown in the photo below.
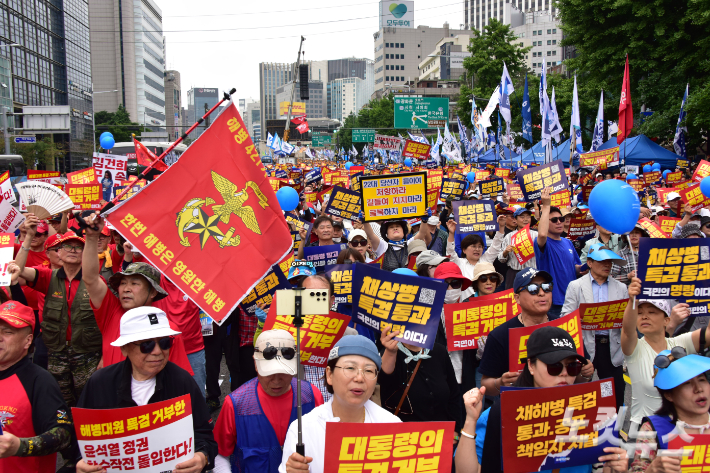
(298, 323)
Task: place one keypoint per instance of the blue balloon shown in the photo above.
(405, 271)
(647, 168)
(105, 133)
(615, 206)
(347, 166)
(656, 167)
(288, 198)
(471, 177)
(107, 142)
(666, 172)
(705, 186)
(408, 162)
(631, 176)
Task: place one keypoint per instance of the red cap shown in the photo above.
(106, 231)
(17, 315)
(42, 227)
(448, 270)
(68, 236)
(52, 241)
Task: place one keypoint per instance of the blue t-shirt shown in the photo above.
(558, 258)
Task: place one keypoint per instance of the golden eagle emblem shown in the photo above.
(194, 219)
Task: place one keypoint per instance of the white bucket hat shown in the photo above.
(143, 323)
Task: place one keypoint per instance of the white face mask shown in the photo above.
(452, 296)
(336, 240)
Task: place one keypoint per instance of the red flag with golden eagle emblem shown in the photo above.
(210, 223)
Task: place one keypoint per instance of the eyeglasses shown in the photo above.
(351, 372)
(489, 277)
(356, 243)
(534, 289)
(573, 369)
(664, 361)
(147, 347)
(72, 248)
(557, 219)
(454, 283)
(270, 352)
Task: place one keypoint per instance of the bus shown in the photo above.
(13, 163)
(128, 149)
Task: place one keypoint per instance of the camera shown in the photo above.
(313, 301)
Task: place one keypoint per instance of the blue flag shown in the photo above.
(679, 140)
(527, 115)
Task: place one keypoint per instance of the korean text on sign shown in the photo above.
(515, 192)
(694, 197)
(85, 196)
(702, 171)
(468, 321)
(82, 176)
(399, 196)
(318, 333)
(405, 447)
(523, 246)
(114, 164)
(561, 199)
(652, 228)
(533, 180)
(580, 227)
(518, 338)
(492, 187)
(667, 224)
(343, 203)
(602, 315)
(674, 269)
(540, 422)
(434, 177)
(322, 256)
(451, 188)
(341, 275)
(408, 304)
(413, 149)
(502, 295)
(696, 454)
(263, 292)
(475, 216)
(151, 438)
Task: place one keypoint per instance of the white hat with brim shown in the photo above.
(143, 323)
(279, 364)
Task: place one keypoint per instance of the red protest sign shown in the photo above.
(653, 230)
(277, 184)
(318, 333)
(524, 247)
(483, 175)
(416, 150)
(468, 321)
(82, 176)
(603, 158)
(515, 192)
(694, 197)
(602, 315)
(502, 295)
(518, 338)
(502, 172)
(651, 177)
(580, 227)
(433, 179)
(694, 448)
(662, 193)
(151, 438)
(432, 199)
(395, 446)
(532, 420)
(85, 196)
(586, 192)
(702, 171)
(674, 177)
(667, 224)
(636, 184)
(561, 199)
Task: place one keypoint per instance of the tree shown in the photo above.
(119, 124)
(378, 114)
(41, 153)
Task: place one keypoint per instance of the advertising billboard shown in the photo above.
(397, 14)
(299, 108)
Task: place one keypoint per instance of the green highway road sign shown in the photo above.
(420, 112)
(363, 135)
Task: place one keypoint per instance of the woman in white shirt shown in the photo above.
(351, 376)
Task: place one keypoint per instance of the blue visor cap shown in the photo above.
(680, 370)
(301, 268)
(600, 253)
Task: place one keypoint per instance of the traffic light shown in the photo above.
(303, 78)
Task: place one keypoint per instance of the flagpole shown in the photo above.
(227, 97)
(287, 127)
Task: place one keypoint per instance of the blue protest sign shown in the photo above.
(475, 216)
(343, 203)
(321, 256)
(533, 180)
(674, 268)
(280, 174)
(341, 275)
(313, 176)
(410, 304)
(492, 187)
(264, 291)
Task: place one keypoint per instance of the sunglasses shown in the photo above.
(455, 283)
(573, 369)
(534, 289)
(270, 352)
(489, 277)
(147, 347)
(707, 226)
(356, 243)
(72, 248)
(557, 219)
(664, 361)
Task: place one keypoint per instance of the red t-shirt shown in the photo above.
(183, 313)
(276, 408)
(108, 318)
(35, 299)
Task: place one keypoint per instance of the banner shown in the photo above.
(83, 176)
(475, 216)
(50, 177)
(653, 230)
(389, 143)
(7, 248)
(515, 192)
(535, 437)
(341, 275)
(492, 187)
(434, 177)
(651, 177)
(551, 175)
(7, 194)
(343, 203)
(702, 171)
(85, 196)
(523, 245)
(674, 269)
(502, 173)
(466, 322)
(694, 197)
(667, 224)
(263, 292)
(413, 149)
(322, 256)
(409, 304)
(604, 158)
(151, 438)
(114, 164)
(227, 214)
(580, 227)
(394, 197)
(400, 446)
(318, 334)
(602, 315)
(451, 188)
(674, 177)
(561, 199)
(518, 338)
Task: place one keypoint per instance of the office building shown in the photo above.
(252, 119)
(272, 75)
(314, 106)
(199, 101)
(478, 13)
(346, 96)
(50, 66)
(128, 55)
(398, 52)
(445, 61)
(539, 30)
(173, 103)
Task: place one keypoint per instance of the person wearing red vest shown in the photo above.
(34, 419)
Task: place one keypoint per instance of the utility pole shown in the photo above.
(293, 91)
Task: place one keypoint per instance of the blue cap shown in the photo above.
(599, 252)
(356, 345)
(521, 211)
(680, 370)
(301, 268)
(526, 276)
(405, 271)
(583, 206)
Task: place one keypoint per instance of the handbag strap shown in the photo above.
(409, 384)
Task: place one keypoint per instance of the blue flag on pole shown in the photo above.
(679, 140)
(527, 115)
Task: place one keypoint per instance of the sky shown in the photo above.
(219, 43)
